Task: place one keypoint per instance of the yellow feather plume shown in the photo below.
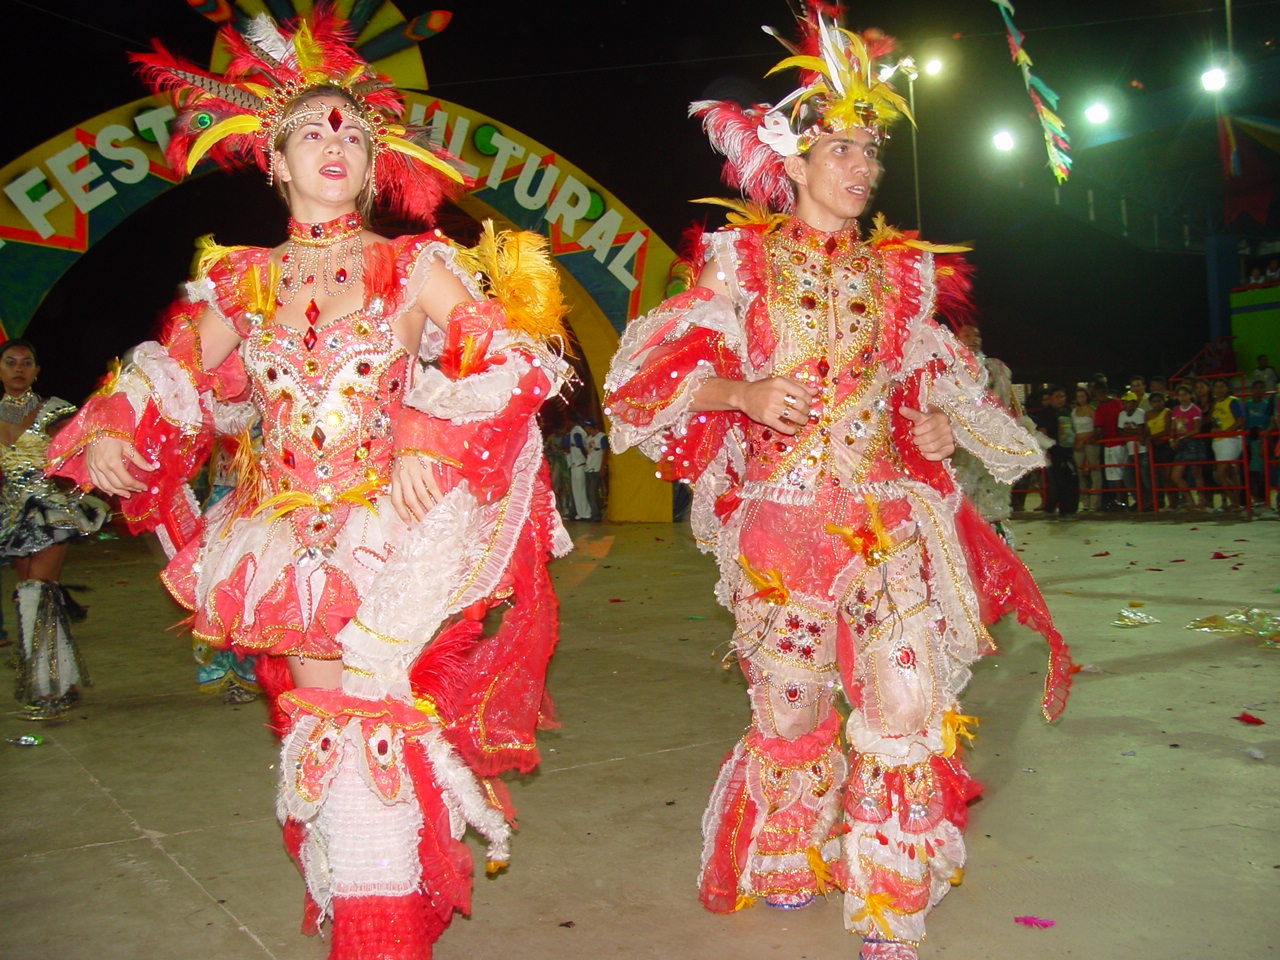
(520, 274)
(746, 213)
(247, 123)
(395, 140)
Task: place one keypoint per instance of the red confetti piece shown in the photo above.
(1179, 560)
(1241, 540)
(1219, 555)
(122, 583)
(616, 600)
(1156, 569)
(1250, 719)
(1038, 922)
(659, 539)
(1104, 553)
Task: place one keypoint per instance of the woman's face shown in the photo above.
(325, 158)
(18, 370)
(1082, 397)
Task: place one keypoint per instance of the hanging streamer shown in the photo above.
(1045, 100)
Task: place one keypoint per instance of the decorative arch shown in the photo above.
(68, 193)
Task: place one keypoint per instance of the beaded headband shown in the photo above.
(237, 118)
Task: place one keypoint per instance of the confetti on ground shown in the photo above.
(1250, 621)
(1256, 753)
(1179, 560)
(616, 600)
(1137, 603)
(1249, 718)
(1038, 922)
(1133, 618)
(1104, 553)
(1219, 555)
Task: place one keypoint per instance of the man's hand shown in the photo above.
(108, 459)
(780, 403)
(931, 432)
(414, 490)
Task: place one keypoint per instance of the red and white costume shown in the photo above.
(307, 558)
(858, 575)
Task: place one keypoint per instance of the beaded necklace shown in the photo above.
(331, 251)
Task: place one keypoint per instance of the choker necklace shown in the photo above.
(330, 252)
(17, 409)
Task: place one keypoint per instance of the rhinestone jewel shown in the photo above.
(318, 438)
(340, 276)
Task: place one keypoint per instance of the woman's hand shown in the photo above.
(780, 403)
(414, 490)
(108, 459)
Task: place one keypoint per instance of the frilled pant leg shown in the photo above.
(905, 799)
(770, 830)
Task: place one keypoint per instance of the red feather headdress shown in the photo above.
(235, 118)
(839, 89)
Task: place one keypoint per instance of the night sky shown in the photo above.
(606, 84)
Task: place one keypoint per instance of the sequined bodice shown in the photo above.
(825, 295)
(327, 414)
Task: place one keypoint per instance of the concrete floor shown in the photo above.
(1140, 823)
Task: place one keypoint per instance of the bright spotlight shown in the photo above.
(933, 66)
(1214, 79)
(1003, 141)
(1097, 113)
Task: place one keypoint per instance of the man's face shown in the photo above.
(1058, 399)
(1259, 390)
(1219, 389)
(835, 178)
(971, 337)
(1138, 385)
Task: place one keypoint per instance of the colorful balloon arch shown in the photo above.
(67, 194)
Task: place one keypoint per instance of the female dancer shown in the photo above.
(382, 376)
(37, 518)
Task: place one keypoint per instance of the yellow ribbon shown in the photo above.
(821, 872)
(769, 585)
(956, 725)
(428, 706)
(287, 501)
(874, 907)
(872, 541)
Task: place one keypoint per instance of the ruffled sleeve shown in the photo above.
(663, 358)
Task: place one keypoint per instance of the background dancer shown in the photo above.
(38, 515)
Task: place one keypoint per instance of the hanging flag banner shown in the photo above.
(1045, 100)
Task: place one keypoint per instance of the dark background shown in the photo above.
(606, 84)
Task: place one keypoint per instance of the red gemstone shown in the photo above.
(312, 313)
(272, 374)
(858, 306)
(286, 456)
(823, 367)
(393, 386)
(808, 301)
(309, 338)
(341, 275)
(335, 119)
(310, 278)
(830, 244)
(317, 437)
(363, 368)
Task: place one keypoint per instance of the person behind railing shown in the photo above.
(1265, 372)
(1227, 414)
(1157, 449)
(1086, 450)
(1119, 456)
(1106, 410)
(1188, 448)
(1259, 410)
(1062, 493)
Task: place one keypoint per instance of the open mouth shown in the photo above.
(334, 171)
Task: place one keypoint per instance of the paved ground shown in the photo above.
(1146, 823)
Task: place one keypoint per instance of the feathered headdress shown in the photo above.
(839, 89)
(237, 118)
